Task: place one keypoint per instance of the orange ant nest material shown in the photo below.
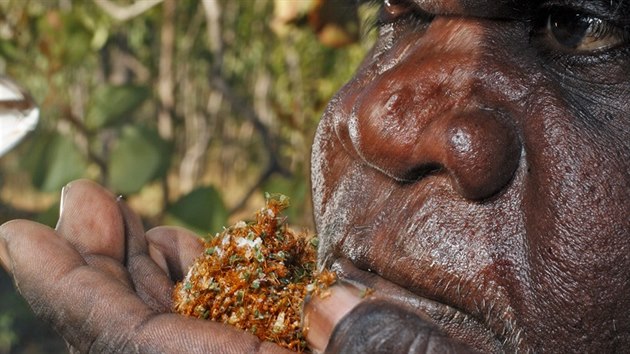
(255, 276)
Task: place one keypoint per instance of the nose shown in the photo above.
(411, 122)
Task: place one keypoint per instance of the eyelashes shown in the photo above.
(574, 31)
(561, 29)
(393, 10)
(401, 13)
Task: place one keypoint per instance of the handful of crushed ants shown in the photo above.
(255, 276)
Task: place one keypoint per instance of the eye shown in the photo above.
(394, 11)
(576, 31)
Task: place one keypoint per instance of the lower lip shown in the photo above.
(453, 322)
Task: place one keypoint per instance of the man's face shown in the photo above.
(480, 159)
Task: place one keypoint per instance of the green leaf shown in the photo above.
(112, 105)
(77, 42)
(49, 216)
(139, 156)
(54, 161)
(201, 210)
(64, 38)
(9, 51)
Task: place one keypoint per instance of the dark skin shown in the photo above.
(474, 173)
(105, 285)
(486, 167)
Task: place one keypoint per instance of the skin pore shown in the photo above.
(479, 160)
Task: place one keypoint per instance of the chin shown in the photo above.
(419, 245)
(413, 254)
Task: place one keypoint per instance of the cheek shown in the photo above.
(575, 206)
(555, 241)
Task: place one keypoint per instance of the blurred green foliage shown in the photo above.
(191, 109)
(179, 95)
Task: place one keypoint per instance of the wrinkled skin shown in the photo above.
(474, 174)
(106, 286)
(483, 167)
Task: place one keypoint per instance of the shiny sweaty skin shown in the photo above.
(477, 169)
(474, 174)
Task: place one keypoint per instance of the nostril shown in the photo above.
(422, 171)
(478, 151)
(409, 132)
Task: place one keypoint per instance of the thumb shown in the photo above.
(323, 312)
(345, 322)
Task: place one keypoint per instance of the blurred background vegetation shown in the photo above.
(191, 109)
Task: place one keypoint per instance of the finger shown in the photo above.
(151, 283)
(323, 313)
(377, 326)
(81, 302)
(40, 236)
(401, 302)
(174, 248)
(346, 322)
(191, 335)
(90, 220)
(379, 286)
(96, 313)
(71, 349)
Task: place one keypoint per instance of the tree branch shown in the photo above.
(215, 38)
(165, 84)
(269, 142)
(239, 104)
(124, 13)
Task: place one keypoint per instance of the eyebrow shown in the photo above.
(618, 10)
(623, 10)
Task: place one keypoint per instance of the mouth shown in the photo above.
(451, 317)
(420, 247)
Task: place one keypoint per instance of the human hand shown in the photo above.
(105, 286)
(356, 318)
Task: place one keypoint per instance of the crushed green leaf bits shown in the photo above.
(255, 276)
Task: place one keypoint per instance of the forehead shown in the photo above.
(521, 10)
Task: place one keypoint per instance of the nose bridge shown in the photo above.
(422, 112)
(446, 55)
(426, 75)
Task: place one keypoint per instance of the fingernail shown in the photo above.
(323, 312)
(5, 260)
(64, 194)
(157, 256)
